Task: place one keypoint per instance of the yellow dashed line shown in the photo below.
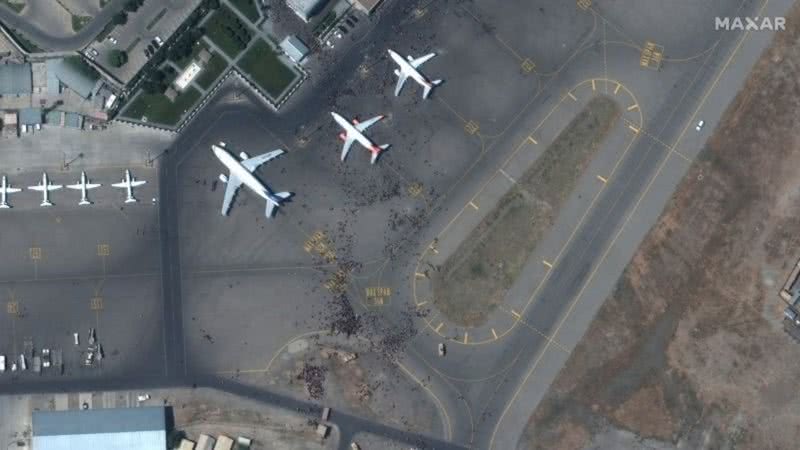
(438, 327)
(594, 88)
(515, 314)
(572, 96)
(603, 179)
(494, 333)
(508, 176)
(420, 275)
(546, 263)
(419, 305)
(617, 88)
(634, 129)
(632, 107)
(530, 138)
(466, 337)
(473, 205)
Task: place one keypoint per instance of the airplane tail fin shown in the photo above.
(4, 206)
(429, 87)
(131, 200)
(46, 203)
(376, 152)
(274, 201)
(84, 202)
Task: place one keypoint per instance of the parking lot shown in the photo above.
(68, 269)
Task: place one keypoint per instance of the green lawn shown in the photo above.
(216, 65)
(159, 109)
(261, 63)
(196, 49)
(17, 7)
(229, 33)
(248, 8)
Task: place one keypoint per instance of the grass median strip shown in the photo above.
(473, 281)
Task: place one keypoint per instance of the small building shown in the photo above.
(223, 443)
(73, 120)
(171, 94)
(367, 6)
(186, 444)
(204, 56)
(10, 124)
(30, 116)
(72, 73)
(108, 429)
(187, 76)
(306, 9)
(294, 48)
(205, 442)
(16, 79)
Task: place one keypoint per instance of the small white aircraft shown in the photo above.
(129, 182)
(6, 189)
(408, 68)
(241, 172)
(84, 185)
(355, 132)
(45, 187)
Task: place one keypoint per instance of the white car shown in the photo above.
(700, 125)
(143, 397)
(159, 41)
(2, 363)
(442, 349)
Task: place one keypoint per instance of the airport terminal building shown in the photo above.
(107, 429)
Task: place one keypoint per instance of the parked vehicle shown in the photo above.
(158, 41)
(2, 363)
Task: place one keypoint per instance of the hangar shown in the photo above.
(108, 429)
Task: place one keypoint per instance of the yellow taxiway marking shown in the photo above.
(603, 179)
(420, 275)
(471, 203)
(633, 106)
(419, 305)
(508, 176)
(547, 263)
(530, 138)
(494, 333)
(594, 88)
(515, 314)
(572, 96)
(466, 337)
(617, 88)
(634, 129)
(438, 327)
(433, 249)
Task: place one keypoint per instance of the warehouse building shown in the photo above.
(107, 429)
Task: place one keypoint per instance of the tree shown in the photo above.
(120, 18)
(117, 58)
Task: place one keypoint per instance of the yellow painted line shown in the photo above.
(530, 138)
(508, 176)
(473, 205)
(594, 88)
(433, 249)
(515, 314)
(546, 263)
(633, 106)
(494, 333)
(634, 129)
(466, 337)
(572, 96)
(419, 305)
(420, 275)
(603, 179)
(438, 327)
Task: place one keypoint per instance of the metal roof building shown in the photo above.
(306, 9)
(16, 79)
(108, 429)
(294, 48)
(71, 74)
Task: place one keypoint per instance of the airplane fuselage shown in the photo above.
(239, 171)
(350, 130)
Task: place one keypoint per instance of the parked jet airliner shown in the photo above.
(45, 187)
(355, 132)
(6, 189)
(128, 183)
(408, 68)
(84, 185)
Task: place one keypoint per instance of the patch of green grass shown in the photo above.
(229, 33)
(248, 8)
(159, 109)
(216, 65)
(103, 3)
(261, 63)
(24, 42)
(156, 19)
(17, 7)
(78, 22)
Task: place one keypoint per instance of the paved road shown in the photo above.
(58, 42)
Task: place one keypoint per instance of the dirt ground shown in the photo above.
(689, 350)
(477, 276)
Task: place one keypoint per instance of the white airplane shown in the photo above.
(129, 182)
(355, 132)
(6, 189)
(408, 68)
(241, 172)
(45, 187)
(84, 185)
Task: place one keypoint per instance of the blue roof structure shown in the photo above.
(70, 73)
(108, 429)
(30, 116)
(16, 79)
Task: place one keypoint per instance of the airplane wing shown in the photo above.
(54, 187)
(38, 188)
(92, 185)
(346, 147)
(77, 186)
(252, 164)
(121, 184)
(401, 80)
(421, 60)
(12, 190)
(230, 190)
(361, 126)
(138, 183)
